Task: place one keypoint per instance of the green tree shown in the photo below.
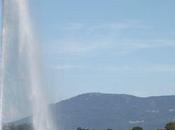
(27, 127)
(9, 127)
(170, 126)
(160, 129)
(137, 128)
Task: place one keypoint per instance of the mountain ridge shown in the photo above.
(115, 94)
(117, 111)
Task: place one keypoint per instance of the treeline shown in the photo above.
(168, 126)
(25, 126)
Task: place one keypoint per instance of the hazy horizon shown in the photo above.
(87, 93)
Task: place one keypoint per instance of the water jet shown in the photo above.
(21, 88)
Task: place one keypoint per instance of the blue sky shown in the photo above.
(109, 46)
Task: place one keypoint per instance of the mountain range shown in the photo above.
(116, 111)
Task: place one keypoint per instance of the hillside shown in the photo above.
(117, 111)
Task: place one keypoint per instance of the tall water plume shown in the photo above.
(21, 85)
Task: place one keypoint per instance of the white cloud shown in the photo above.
(74, 48)
(138, 68)
(152, 68)
(67, 67)
(152, 111)
(136, 122)
(118, 26)
(129, 46)
(113, 26)
(78, 47)
(170, 68)
(103, 37)
(171, 110)
(72, 26)
(121, 47)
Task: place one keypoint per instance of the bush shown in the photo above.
(170, 126)
(137, 128)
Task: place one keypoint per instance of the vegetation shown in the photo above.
(25, 126)
(137, 128)
(160, 129)
(109, 129)
(170, 126)
(79, 128)
(18, 127)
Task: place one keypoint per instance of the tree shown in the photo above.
(170, 126)
(9, 127)
(79, 128)
(160, 129)
(137, 128)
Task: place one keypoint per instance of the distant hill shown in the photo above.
(117, 111)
